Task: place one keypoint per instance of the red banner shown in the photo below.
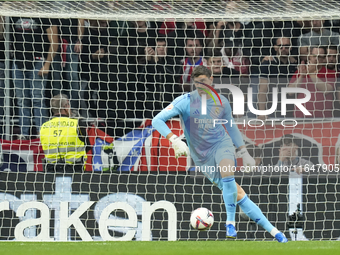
(157, 154)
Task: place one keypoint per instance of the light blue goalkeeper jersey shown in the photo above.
(202, 137)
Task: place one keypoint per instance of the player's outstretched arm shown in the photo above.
(159, 121)
(161, 118)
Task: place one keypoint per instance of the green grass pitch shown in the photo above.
(173, 248)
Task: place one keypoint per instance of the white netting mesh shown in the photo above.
(122, 62)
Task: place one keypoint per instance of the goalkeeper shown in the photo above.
(212, 148)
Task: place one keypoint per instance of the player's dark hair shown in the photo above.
(216, 53)
(160, 39)
(201, 70)
(275, 39)
(333, 47)
(213, 52)
(318, 47)
(194, 35)
(289, 139)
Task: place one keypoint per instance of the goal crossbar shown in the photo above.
(179, 10)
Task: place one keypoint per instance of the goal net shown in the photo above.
(114, 65)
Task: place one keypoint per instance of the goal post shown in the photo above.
(122, 62)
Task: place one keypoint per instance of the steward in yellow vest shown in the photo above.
(63, 138)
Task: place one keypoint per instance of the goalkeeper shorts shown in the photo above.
(210, 168)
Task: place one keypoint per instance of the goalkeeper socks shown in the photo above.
(255, 213)
(230, 196)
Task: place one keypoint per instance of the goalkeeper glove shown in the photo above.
(248, 160)
(179, 146)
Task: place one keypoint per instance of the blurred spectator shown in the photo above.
(177, 39)
(290, 157)
(131, 95)
(96, 67)
(215, 64)
(67, 60)
(333, 24)
(318, 36)
(217, 67)
(140, 34)
(119, 28)
(2, 66)
(223, 74)
(259, 43)
(170, 26)
(216, 29)
(193, 49)
(159, 78)
(276, 71)
(35, 43)
(332, 58)
(320, 81)
(260, 40)
(233, 57)
(230, 36)
(305, 26)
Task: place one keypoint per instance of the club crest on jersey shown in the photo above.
(217, 111)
